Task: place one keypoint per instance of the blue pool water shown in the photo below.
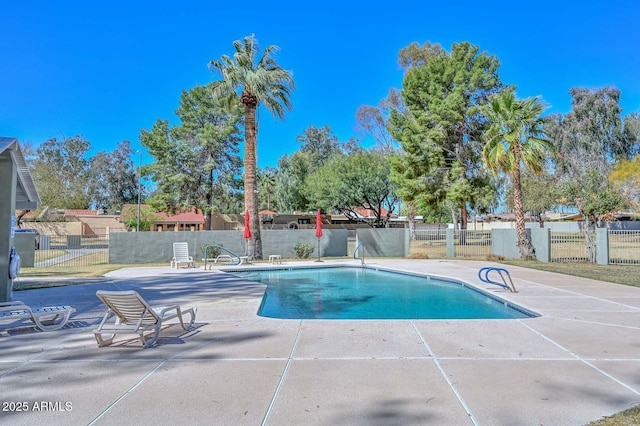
(356, 293)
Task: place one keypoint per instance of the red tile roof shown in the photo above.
(370, 213)
(80, 212)
(184, 217)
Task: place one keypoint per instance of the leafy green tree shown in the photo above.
(267, 187)
(258, 80)
(147, 217)
(196, 163)
(348, 181)
(292, 173)
(589, 140)
(61, 173)
(632, 134)
(319, 144)
(539, 194)
(626, 177)
(442, 126)
(515, 141)
(286, 186)
(407, 174)
(374, 121)
(592, 135)
(596, 200)
(114, 178)
(415, 56)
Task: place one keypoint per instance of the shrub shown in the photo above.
(418, 256)
(303, 250)
(495, 258)
(212, 252)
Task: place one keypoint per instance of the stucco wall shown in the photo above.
(384, 242)
(145, 247)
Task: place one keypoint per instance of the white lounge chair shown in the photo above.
(181, 255)
(133, 315)
(44, 318)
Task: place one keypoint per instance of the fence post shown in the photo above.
(451, 250)
(541, 240)
(602, 246)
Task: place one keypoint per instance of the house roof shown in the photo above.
(27, 197)
(370, 214)
(80, 212)
(161, 217)
(507, 216)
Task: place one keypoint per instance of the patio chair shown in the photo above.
(131, 314)
(181, 255)
(46, 318)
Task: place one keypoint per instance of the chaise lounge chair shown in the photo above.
(133, 315)
(181, 255)
(44, 318)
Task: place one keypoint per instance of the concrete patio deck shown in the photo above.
(577, 362)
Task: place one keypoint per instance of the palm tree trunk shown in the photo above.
(527, 251)
(254, 249)
(463, 222)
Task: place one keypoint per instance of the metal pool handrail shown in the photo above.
(239, 261)
(355, 252)
(483, 275)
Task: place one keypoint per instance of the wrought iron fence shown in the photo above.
(432, 243)
(568, 247)
(624, 247)
(71, 250)
(469, 243)
(429, 243)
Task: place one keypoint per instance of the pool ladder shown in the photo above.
(483, 275)
(206, 258)
(355, 254)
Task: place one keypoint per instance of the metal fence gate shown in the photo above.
(624, 247)
(71, 250)
(568, 247)
(469, 243)
(429, 243)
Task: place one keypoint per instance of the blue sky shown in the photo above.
(106, 70)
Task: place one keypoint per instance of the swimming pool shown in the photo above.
(358, 293)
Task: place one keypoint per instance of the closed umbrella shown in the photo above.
(318, 232)
(247, 232)
(247, 229)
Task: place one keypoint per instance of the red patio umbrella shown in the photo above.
(318, 225)
(247, 232)
(318, 232)
(247, 229)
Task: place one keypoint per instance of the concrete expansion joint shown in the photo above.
(584, 360)
(282, 377)
(445, 376)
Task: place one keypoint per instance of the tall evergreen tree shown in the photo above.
(442, 126)
(195, 162)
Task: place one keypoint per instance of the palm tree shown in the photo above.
(258, 82)
(516, 139)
